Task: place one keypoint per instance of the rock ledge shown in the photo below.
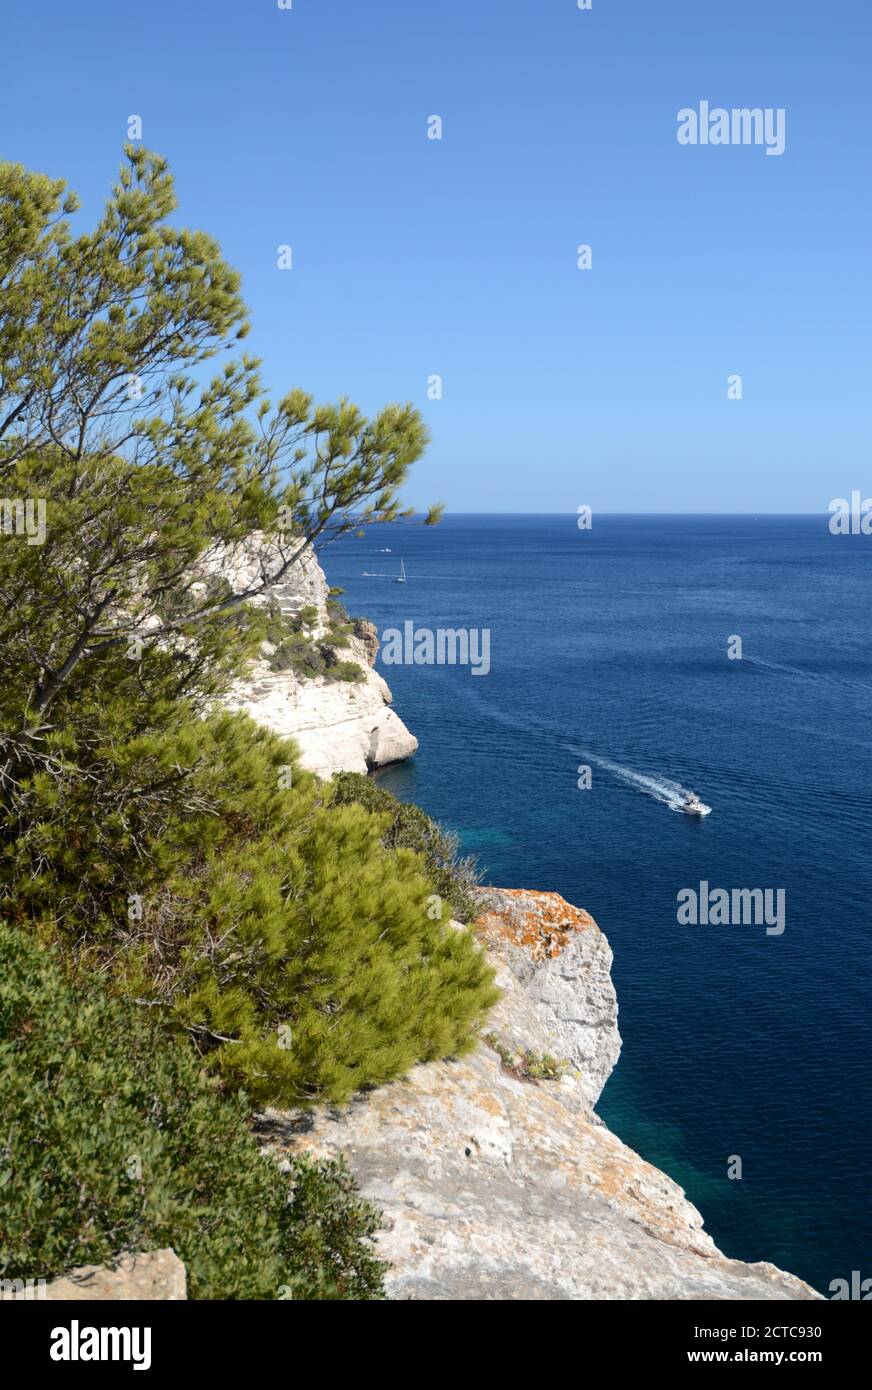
(495, 1187)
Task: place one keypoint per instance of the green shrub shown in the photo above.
(307, 617)
(114, 1140)
(124, 814)
(311, 968)
(308, 659)
(341, 626)
(304, 958)
(298, 654)
(345, 671)
(525, 1064)
(454, 878)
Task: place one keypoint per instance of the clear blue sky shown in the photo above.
(457, 257)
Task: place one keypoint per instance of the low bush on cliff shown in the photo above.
(454, 877)
(316, 967)
(114, 1140)
(525, 1064)
(297, 650)
(303, 957)
(308, 659)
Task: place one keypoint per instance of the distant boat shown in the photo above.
(401, 577)
(385, 551)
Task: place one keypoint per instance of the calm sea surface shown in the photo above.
(609, 649)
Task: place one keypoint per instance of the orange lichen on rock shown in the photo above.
(543, 923)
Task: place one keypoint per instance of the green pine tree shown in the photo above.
(158, 842)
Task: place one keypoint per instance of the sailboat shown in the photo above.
(401, 577)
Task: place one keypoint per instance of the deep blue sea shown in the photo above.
(609, 649)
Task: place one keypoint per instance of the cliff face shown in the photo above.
(496, 1186)
(566, 1004)
(337, 725)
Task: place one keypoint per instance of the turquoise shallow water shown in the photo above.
(609, 647)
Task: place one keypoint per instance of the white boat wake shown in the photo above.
(662, 789)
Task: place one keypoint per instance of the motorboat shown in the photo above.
(692, 806)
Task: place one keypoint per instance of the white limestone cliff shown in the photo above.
(337, 725)
(496, 1186)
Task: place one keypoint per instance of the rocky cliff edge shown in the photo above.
(500, 1183)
